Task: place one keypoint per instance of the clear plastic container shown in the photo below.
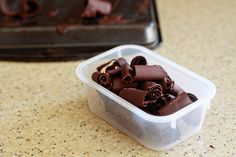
(154, 132)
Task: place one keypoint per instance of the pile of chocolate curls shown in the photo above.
(148, 87)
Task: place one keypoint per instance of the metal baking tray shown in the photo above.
(38, 39)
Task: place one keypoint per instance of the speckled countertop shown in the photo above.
(43, 111)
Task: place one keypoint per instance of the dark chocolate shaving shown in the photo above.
(5, 9)
(113, 72)
(118, 85)
(192, 97)
(175, 89)
(121, 62)
(102, 79)
(167, 83)
(93, 7)
(166, 98)
(178, 103)
(149, 73)
(126, 74)
(154, 89)
(135, 96)
(99, 68)
(138, 60)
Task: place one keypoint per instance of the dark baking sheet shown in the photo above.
(37, 38)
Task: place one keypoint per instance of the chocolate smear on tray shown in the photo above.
(113, 19)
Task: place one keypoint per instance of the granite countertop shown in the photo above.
(44, 112)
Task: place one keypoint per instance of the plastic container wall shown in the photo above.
(154, 132)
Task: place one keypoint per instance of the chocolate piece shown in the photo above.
(5, 9)
(192, 97)
(153, 108)
(126, 74)
(138, 60)
(167, 83)
(99, 68)
(154, 89)
(121, 62)
(118, 85)
(149, 72)
(135, 96)
(166, 98)
(102, 79)
(113, 72)
(175, 89)
(96, 6)
(178, 103)
(29, 8)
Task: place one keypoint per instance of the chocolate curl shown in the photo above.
(192, 97)
(126, 74)
(102, 79)
(134, 96)
(149, 73)
(178, 103)
(118, 85)
(166, 98)
(5, 9)
(153, 108)
(121, 62)
(29, 8)
(138, 60)
(116, 64)
(175, 89)
(120, 66)
(96, 6)
(167, 83)
(154, 89)
(99, 68)
(113, 72)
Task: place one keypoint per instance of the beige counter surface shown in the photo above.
(44, 112)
